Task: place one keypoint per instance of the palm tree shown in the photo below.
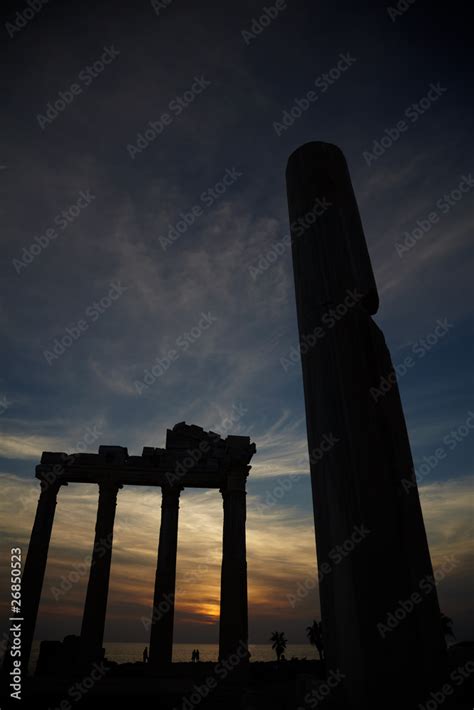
(447, 626)
(279, 643)
(315, 637)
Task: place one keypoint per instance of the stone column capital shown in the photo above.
(50, 489)
(108, 491)
(170, 496)
(235, 483)
(108, 486)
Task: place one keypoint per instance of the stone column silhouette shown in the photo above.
(161, 635)
(34, 569)
(233, 626)
(364, 489)
(93, 620)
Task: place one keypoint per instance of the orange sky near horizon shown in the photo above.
(280, 553)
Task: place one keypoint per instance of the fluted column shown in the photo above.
(359, 485)
(93, 621)
(34, 569)
(161, 636)
(233, 628)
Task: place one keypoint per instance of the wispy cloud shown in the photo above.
(281, 551)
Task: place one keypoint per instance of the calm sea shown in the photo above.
(131, 652)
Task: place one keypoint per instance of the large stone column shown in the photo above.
(93, 620)
(364, 490)
(233, 627)
(35, 567)
(161, 635)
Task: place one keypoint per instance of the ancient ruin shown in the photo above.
(364, 487)
(367, 479)
(192, 458)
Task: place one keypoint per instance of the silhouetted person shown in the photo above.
(193, 655)
(145, 655)
(197, 655)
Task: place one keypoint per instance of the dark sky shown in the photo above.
(103, 277)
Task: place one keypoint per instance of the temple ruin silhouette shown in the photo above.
(366, 479)
(192, 458)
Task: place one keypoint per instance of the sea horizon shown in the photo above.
(132, 651)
